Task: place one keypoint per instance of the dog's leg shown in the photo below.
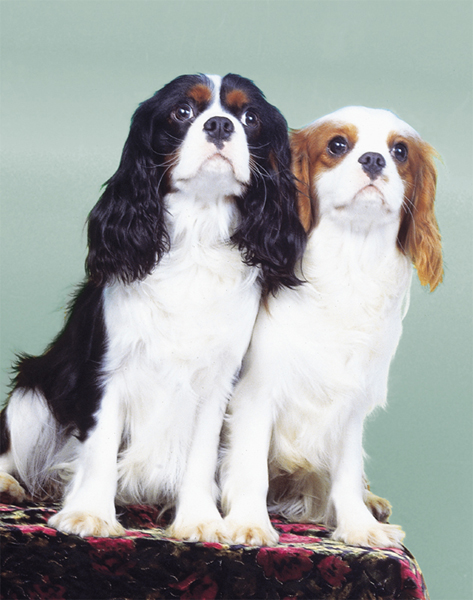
(89, 507)
(197, 517)
(245, 469)
(355, 523)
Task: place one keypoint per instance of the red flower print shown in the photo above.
(333, 569)
(412, 579)
(111, 555)
(46, 589)
(120, 545)
(290, 538)
(300, 528)
(214, 545)
(134, 533)
(285, 564)
(37, 529)
(196, 588)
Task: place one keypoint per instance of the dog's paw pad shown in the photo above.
(378, 535)
(251, 534)
(212, 530)
(85, 524)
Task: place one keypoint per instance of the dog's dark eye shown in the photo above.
(249, 119)
(183, 112)
(399, 152)
(338, 146)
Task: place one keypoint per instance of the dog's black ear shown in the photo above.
(126, 230)
(271, 234)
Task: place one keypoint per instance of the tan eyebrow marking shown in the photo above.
(236, 99)
(200, 93)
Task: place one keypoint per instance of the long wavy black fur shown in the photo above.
(68, 372)
(270, 233)
(126, 231)
(127, 237)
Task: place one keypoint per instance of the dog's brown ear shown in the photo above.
(419, 235)
(302, 173)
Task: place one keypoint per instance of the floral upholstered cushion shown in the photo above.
(40, 562)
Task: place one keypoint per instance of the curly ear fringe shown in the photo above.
(126, 229)
(270, 234)
(427, 257)
(126, 232)
(419, 235)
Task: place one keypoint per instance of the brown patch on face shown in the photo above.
(319, 137)
(311, 157)
(236, 100)
(419, 234)
(201, 94)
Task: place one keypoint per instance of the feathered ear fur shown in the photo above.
(306, 202)
(419, 235)
(270, 233)
(126, 232)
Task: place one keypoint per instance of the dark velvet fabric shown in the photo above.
(40, 562)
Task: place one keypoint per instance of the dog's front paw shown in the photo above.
(251, 533)
(375, 534)
(11, 488)
(202, 530)
(85, 524)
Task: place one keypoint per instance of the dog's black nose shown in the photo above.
(219, 129)
(372, 163)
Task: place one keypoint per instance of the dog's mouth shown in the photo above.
(218, 156)
(367, 199)
(370, 193)
(219, 164)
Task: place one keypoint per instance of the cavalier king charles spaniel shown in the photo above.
(319, 357)
(126, 405)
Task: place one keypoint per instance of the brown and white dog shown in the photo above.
(320, 354)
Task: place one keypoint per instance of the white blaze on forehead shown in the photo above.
(372, 123)
(217, 84)
(198, 155)
(344, 184)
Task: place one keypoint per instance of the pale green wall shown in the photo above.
(72, 74)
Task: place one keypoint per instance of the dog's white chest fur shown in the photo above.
(174, 341)
(340, 331)
(320, 354)
(357, 280)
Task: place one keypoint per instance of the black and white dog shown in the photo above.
(197, 224)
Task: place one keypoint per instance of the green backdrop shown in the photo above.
(72, 74)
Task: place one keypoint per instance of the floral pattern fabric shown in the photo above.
(40, 562)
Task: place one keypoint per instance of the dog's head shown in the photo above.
(208, 135)
(366, 168)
